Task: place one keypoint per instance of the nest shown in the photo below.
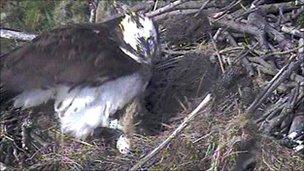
(237, 65)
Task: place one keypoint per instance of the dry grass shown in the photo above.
(208, 143)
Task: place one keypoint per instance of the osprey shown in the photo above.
(90, 71)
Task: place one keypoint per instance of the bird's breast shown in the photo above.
(83, 109)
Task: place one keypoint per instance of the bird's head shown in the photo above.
(140, 37)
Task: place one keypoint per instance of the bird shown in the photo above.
(89, 71)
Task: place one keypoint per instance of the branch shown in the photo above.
(237, 26)
(166, 8)
(292, 30)
(253, 30)
(284, 73)
(175, 12)
(182, 126)
(93, 7)
(11, 34)
(268, 8)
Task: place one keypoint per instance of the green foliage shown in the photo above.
(41, 15)
(37, 14)
(30, 15)
(67, 12)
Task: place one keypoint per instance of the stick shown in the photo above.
(292, 30)
(175, 12)
(93, 7)
(274, 83)
(182, 126)
(166, 8)
(202, 7)
(217, 52)
(11, 34)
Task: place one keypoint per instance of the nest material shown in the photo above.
(185, 29)
(222, 138)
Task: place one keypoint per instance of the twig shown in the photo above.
(284, 42)
(217, 34)
(177, 52)
(273, 109)
(12, 34)
(175, 12)
(182, 126)
(217, 54)
(242, 55)
(231, 49)
(93, 7)
(155, 5)
(74, 139)
(286, 110)
(291, 15)
(301, 51)
(274, 83)
(260, 53)
(253, 30)
(165, 8)
(257, 2)
(221, 14)
(292, 30)
(202, 7)
(237, 26)
(268, 8)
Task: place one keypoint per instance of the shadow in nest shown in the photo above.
(174, 85)
(178, 78)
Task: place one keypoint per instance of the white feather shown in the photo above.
(33, 98)
(77, 99)
(95, 105)
(132, 32)
(133, 56)
(64, 98)
(81, 110)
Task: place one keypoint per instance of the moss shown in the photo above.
(38, 15)
(67, 12)
(32, 16)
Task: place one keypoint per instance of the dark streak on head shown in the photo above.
(59, 105)
(135, 18)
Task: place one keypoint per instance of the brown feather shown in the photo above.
(78, 54)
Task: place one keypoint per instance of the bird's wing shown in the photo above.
(80, 54)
